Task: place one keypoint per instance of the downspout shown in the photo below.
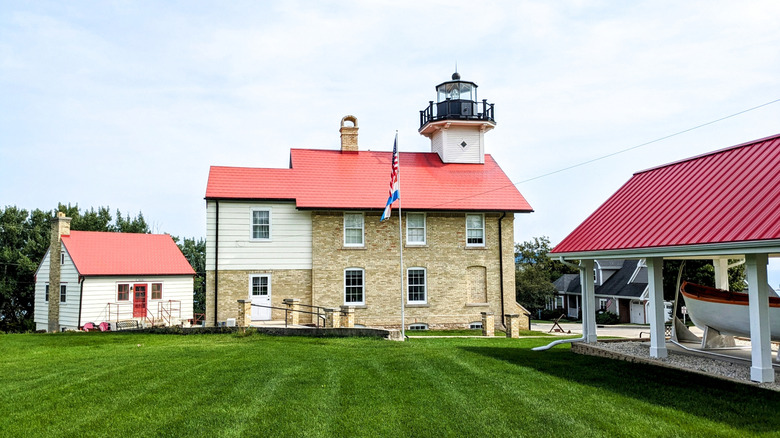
(81, 300)
(564, 341)
(501, 266)
(216, 264)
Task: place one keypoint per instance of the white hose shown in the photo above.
(558, 342)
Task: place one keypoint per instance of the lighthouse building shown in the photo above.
(310, 235)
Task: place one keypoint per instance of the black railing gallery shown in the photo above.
(457, 109)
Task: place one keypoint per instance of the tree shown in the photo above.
(195, 252)
(536, 272)
(699, 272)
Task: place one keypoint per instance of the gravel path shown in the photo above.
(736, 370)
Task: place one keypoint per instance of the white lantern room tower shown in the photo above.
(457, 122)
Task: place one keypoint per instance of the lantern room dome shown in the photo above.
(456, 100)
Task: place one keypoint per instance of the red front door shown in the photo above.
(139, 301)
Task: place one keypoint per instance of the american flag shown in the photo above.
(395, 191)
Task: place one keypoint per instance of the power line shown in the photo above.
(613, 153)
(646, 143)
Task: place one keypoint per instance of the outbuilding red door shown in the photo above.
(139, 301)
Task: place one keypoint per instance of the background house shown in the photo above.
(312, 232)
(621, 288)
(89, 276)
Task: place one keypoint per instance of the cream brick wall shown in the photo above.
(445, 258)
(234, 286)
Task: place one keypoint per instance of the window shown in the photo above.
(261, 224)
(415, 280)
(559, 301)
(476, 325)
(122, 292)
(418, 326)
(354, 286)
(260, 285)
(475, 230)
(63, 292)
(353, 229)
(603, 303)
(62, 258)
(46, 297)
(156, 291)
(415, 228)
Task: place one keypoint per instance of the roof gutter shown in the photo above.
(705, 250)
(81, 300)
(216, 263)
(501, 265)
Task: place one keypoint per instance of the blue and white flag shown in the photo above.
(395, 191)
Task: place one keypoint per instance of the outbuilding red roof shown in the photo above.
(330, 179)
(730, 195)
(99, 253)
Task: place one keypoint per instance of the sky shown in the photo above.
(126, 104)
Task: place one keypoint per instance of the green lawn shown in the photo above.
(123, 384)
(469, 332)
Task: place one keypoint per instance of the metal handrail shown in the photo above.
(162, 310)
(324, 317)
(286, 310)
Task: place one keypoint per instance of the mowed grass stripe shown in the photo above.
(228, 385)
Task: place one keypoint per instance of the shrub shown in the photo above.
(607, 318)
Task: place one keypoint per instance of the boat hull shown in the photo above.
(724, 311)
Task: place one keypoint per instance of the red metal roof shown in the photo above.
(730, 195)
(99, 253)
(330, 179)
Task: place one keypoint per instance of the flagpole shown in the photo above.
(401, 246)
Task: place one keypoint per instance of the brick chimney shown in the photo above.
(349, 134)
(60, 226)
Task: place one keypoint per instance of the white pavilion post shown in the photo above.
(721, 273)
(588, 301)
(758, 297)
(655, 280)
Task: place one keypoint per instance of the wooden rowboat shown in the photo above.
(725, 311)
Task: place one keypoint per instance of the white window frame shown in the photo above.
(476, 325)
(424, 285)
(362, 302)
(559, 299)
(46, 293)
(482, 218)
(252, 224)
(424, 229)
(418, 326)
(603, 303)
(63, 293)
(252, 281)
(362, 230)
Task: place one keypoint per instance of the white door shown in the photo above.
(637, 313)
(260, 295)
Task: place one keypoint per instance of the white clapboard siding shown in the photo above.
(69, 310)
(41, 307)
(455, 153)
(288, 248)
(100, 291)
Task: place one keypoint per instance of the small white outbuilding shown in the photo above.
(99, 277)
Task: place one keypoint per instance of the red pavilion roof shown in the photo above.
(730, 195)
